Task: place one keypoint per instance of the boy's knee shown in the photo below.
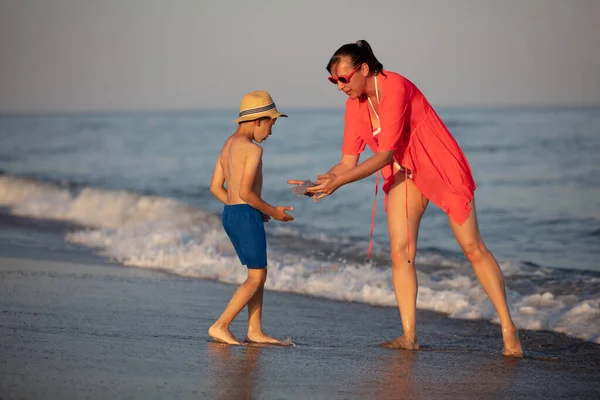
(257, 278)
(253, 283)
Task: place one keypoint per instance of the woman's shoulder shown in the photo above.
(351, 113)
(394, 79)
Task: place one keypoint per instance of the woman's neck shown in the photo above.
(370, 90)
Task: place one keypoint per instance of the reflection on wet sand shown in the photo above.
(397, 379)
(402, 374)
(234, 371)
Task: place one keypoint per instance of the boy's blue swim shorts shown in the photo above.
(245, 227)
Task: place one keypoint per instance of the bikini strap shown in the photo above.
(376, 89)
(373, 215)
(376, 179)
(377, 94)
(406, 204)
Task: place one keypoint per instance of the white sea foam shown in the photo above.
(166, 234)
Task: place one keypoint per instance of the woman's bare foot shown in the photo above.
(222, 334)
(512, 345)
(402, 342)
(263, 339)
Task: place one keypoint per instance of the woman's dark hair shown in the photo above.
(358, 53)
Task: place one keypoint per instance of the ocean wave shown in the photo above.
(91, 206)
(156, 232)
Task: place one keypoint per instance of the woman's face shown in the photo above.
(355, 86)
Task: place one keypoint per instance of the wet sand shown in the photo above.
(92, 330)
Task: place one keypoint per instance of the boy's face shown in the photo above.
(263, 129)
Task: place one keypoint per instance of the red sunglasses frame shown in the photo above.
(345, 79)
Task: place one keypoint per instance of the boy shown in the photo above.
(239, 167)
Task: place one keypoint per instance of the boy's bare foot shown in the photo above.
(402, 342)
(512, 345)
(263, 339)
(222, 334)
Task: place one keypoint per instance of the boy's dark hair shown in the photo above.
(257, 119)
(358, 53)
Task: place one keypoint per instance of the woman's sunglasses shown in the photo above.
(345, 79)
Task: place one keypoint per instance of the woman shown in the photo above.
(420, 162)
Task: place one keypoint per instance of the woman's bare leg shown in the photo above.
(242, 296)
(489, 275)
(404, 275)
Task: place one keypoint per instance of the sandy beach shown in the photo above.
(92, 330)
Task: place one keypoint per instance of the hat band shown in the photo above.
(257, 110)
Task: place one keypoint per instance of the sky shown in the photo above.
(107, 55)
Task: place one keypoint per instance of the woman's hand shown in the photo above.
(326, 185)
(265, 217)
(298, 182)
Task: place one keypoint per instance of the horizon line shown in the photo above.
(184, 110)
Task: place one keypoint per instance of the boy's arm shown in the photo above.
(251, 165)
(216, 185)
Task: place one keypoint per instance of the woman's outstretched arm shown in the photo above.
(339, 175)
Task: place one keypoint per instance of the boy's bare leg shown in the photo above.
(490, 276)
(404, 275)
(255, 332)
(220, 329)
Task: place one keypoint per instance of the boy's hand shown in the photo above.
(265, 217)
(280, 214)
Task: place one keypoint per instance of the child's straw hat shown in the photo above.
(257, 104)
